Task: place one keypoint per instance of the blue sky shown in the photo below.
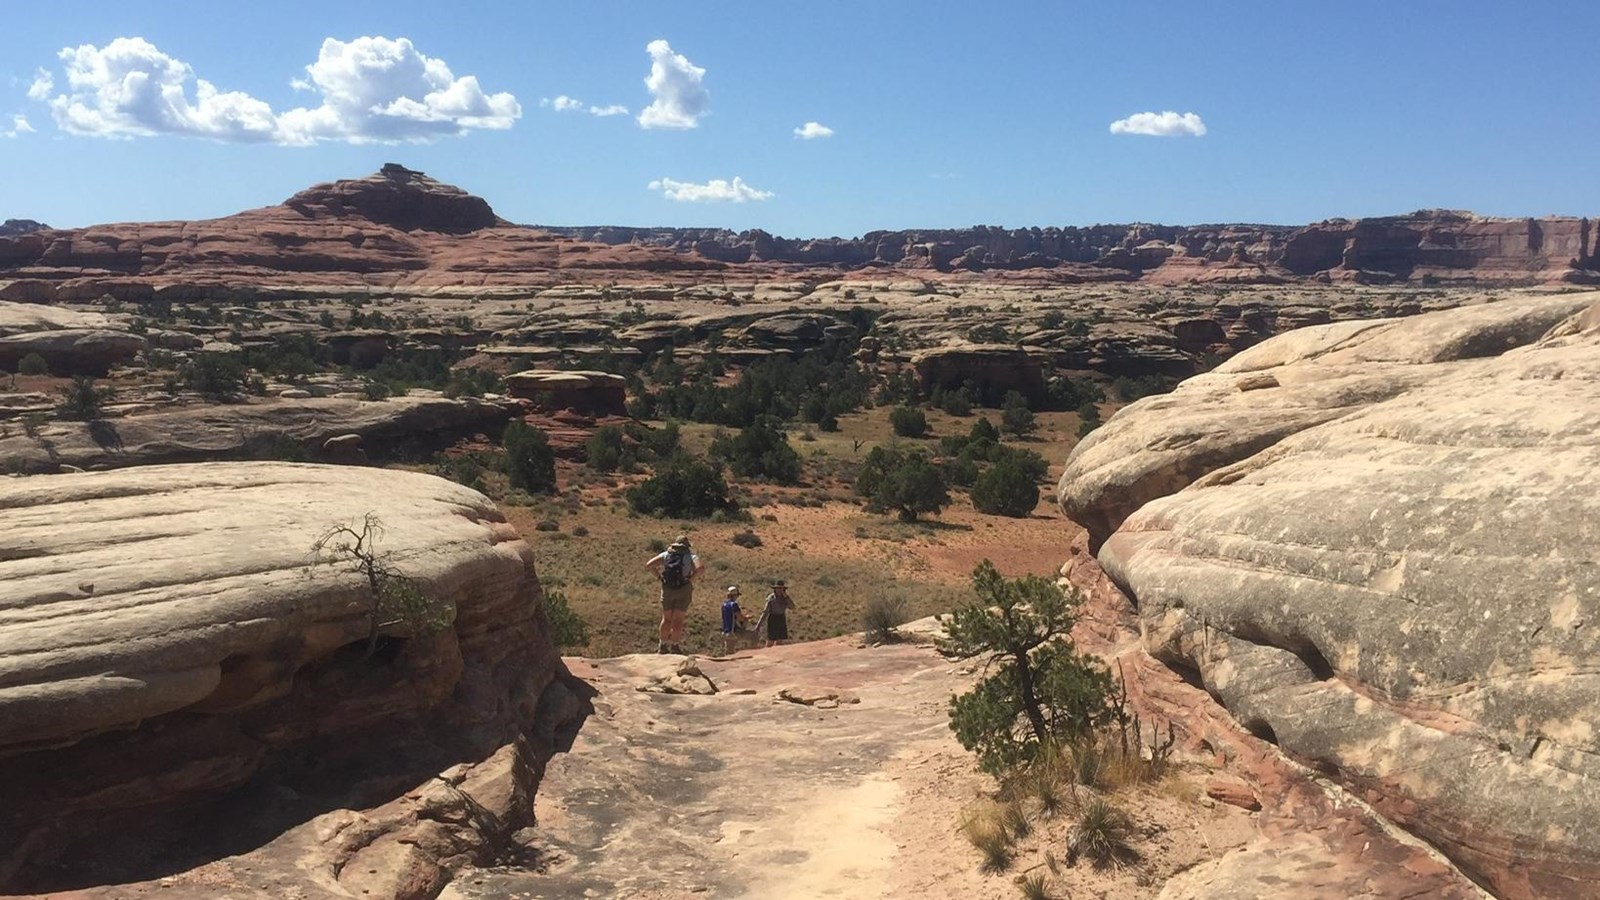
(942, 114)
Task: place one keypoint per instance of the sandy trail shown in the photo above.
(743, 794)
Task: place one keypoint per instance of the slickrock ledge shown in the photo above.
(178, 684)
(1376, 544)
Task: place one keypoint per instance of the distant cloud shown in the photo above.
(714, 191)
(677, 87)
(1161, 124)
(564, 103)
(813, 130)
(19, 126)
(373, 89)
(43, 83)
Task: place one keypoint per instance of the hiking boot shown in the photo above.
(677, 649)
(661, 648)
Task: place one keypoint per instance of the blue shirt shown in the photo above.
(730, 614)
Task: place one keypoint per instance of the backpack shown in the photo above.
(675, 571)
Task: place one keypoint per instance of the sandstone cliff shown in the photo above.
(399, 229)
(1375, 544)
(1428, 246)
(178, 685)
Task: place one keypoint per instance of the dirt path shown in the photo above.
(743, 794)
(857, 792)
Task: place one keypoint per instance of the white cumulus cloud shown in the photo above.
(371, 89)
(378, 89)
(19, 126)
(128, 88)
(677, 87)
(812, 130)
(1161, 124)
(714, 191)
(564, 103)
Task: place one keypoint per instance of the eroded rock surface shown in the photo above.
(1376, 544)
(255, 429)
(179, 685)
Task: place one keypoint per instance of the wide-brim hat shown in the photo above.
(733, 591)
(780, 583)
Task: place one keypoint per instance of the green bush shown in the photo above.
(747, 539)
(33, 364)
(82, 400)
(759, 451)
(960, 470)
(682, 487)
(984, 430)
(471, 382)
(1006, 489)
(1039, 689)
(605, 449)
(908, 421)
(1070, 393)
(1130, 389)
(530, 463)
(904, 481)
(957, 402)
(213, 375)
(1089, 418)
(568, 630)
(1015, 415)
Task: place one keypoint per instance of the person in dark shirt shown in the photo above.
(775, 615)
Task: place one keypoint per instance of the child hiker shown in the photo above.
(733, 619)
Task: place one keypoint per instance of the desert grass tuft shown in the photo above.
(1014, 818)
(1103, 834)
(1049, 793)
(985, 830)
(1035, 887)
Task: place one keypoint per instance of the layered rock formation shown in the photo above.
(250, 430)
(401, 230)
(1375, 544)
(588, 393)
(179, 682)
(1424, 246)
(395, 228)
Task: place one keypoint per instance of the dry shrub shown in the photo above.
(1014, 818)
(881, 618)
(984, 828)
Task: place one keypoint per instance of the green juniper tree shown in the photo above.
(1037, 689)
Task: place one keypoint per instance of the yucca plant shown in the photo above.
(1035, 887)
(1102, 834)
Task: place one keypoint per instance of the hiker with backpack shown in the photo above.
(775, 615)
(677, 567)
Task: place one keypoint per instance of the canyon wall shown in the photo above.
(1375, 544)
(399, 229)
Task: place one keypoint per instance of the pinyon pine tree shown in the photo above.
(1038, 689)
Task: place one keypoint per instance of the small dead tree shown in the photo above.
(397, 599)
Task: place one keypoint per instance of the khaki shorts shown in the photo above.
(676, 599)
